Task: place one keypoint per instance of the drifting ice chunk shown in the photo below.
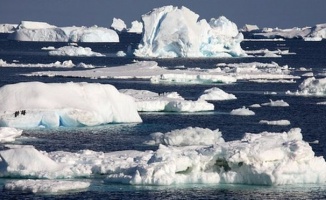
(74, 51)
(276, 122)
(242, 111)
(45, 186)
(8, 134)
(173, 32)
(7, 28)
(35, 104)
(311, 87)
(136, 27)
(216, 94)
(118, 24)
(277, 103)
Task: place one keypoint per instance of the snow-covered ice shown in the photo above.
(311, 87)
(242, 111)
(64, 64)
(176, 32)
(8, 134)
(147, 70)
(266, 158)
(45, 186)
(136, 27)
(283, 122)
(7, 28)
(43, 32)
(34, 104)
(118, 24)
(74, 51)
(216, 94)
(148, 101)
(277, 103)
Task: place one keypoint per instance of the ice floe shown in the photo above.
(283, 122)
(266, 158)
(8, 134)
(34, 104)
(136, 27)
(118, 24)
(64, 64)
(74, 51)
(242, 111)
(216, 94)
(311, 87)
(7, 28)
(43, 32)
(45, 186)
(148, 101)
(176, 32)
(277, 103)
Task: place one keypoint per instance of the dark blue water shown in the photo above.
(302, 112)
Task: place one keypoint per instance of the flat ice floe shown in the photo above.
(216, 94)
(176, 32)
(8, 134)
(64, 64)
(148, 70)
(242, 111)
(283, 122)
(34, 104)
(148, 101)
(74, 51)
(311, 87)
(265, 158)
(277, 103)
(45, 186)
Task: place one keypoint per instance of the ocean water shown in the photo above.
(303, 112)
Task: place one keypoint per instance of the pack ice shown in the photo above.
(34, 104)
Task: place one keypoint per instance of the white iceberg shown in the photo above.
(7, 28)
(118, 24)
(173, 32)
(242, 111)
(265, 158)
(148, 101)
(187, 137)
(216, 94)
(311, 87)
(43, 32)
(277, 103)
(136, 27)
(8, 134)
(74, 51)
(57, 64)
(34, 104)
(283, 122)
(45, 186)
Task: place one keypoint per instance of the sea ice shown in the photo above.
(7, 28)
(118, 24)
(172, 32)
(74, 51)
(8, 134)
(311, 87)
(265, 158)
(43, 32)
(45, 186)
(242, 111)
(64, 64)
(136, 27)
(276, 122)
(148, 101)
(34, 104)
(277, 103)
(216, 94)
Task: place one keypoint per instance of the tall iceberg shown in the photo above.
(176, 32)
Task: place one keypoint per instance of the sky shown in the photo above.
(264, 13)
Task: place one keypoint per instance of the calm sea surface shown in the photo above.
(302, 112)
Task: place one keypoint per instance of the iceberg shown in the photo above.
(8, 134)
(266, 158)
(34, 104)
(74, 51)
(242, 111)
(7, 28)
(136, 27)
(45, 186)
(172, 32)
(118, 25)
(148, 101)
(43, 32)
(216, 94)
(283, 122)
(277, 103)
(311, 87)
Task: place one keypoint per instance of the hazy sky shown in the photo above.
(264, 13)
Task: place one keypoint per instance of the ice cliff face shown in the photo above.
(173, 32)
